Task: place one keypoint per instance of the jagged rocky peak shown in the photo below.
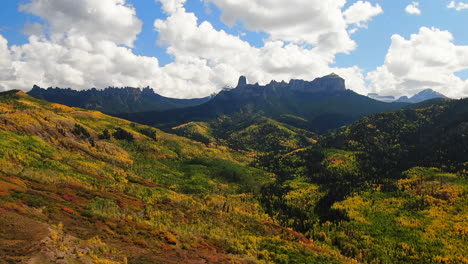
(242, 82)
(329, 83)
(332, 75)
(275, 83)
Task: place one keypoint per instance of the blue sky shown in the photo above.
(374, 42)
(182, 66)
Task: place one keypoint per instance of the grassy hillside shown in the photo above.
(254, 134)
(77, 186)
(424, 220)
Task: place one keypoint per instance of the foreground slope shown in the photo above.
(77, 186)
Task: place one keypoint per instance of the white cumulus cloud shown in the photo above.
(428, 59)
(6, 67)
(458, 5)
(78, 63)
(171, 6)
(320, 23)
(81, 48)
(112, 20)
(413, 8)
(361, 12)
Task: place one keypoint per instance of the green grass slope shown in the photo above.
(250, 133)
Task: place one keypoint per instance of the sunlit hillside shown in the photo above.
(77, 186)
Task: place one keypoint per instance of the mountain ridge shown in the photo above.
(114, 100)
(324, 103)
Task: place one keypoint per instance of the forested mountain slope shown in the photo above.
(435, 136)
(390, 188)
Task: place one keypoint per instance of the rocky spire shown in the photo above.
(242, 82)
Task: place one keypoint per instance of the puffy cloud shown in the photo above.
(457, 5)
(171, 6)
(361, 12)
(320, 23)
(111, 20)
(428, 59)
(6, 67)
(76, 62)
(413, 9)
(185, 37)
(316, 22)
(82, 48)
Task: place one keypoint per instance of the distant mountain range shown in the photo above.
(322, 104)
(422, 96)
(114, 100)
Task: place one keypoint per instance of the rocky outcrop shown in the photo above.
(242, 82)
(329, 83)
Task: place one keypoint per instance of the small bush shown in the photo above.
(81, 131)
(122, 134)
(34, 201)
(104, 135)
(102, 207)
(149, 132)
